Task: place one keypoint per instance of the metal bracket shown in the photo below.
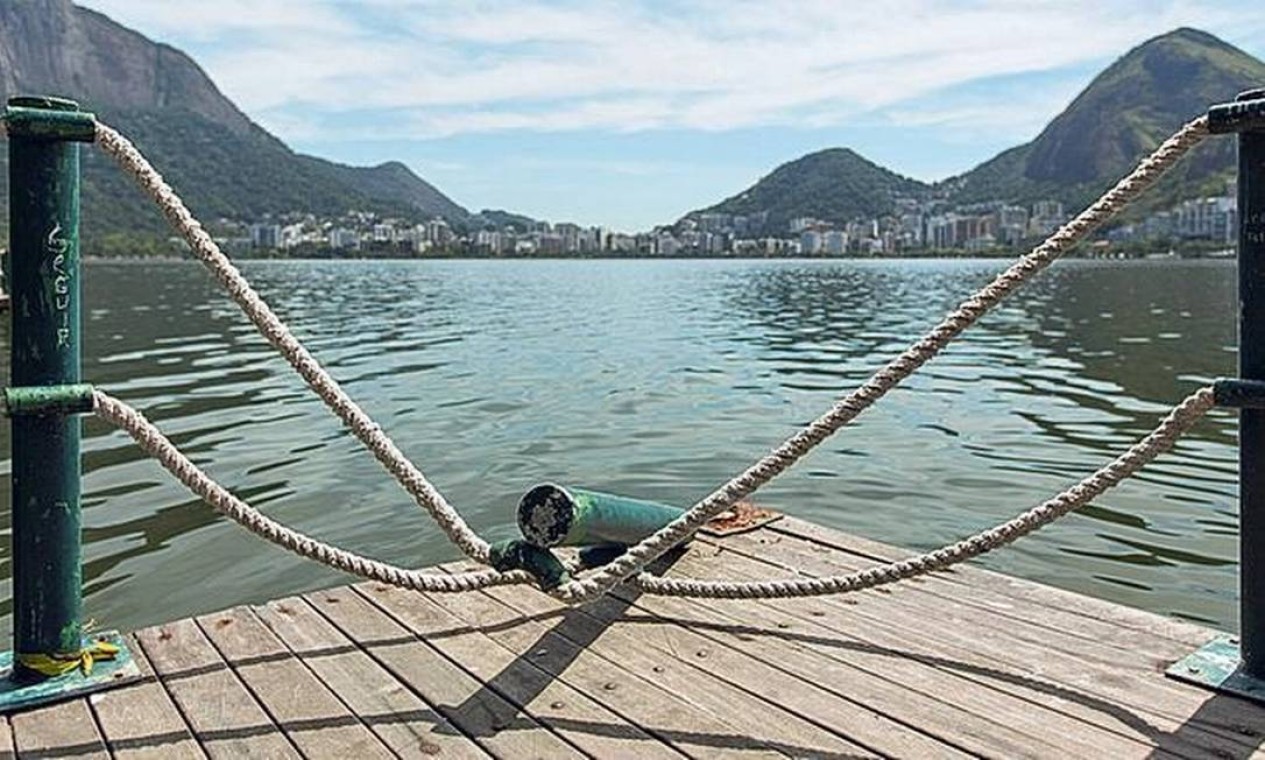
(1217, 665)
(1240, 394)
(41, 118)
(19, 693)
(1246, 113)
(48, 400)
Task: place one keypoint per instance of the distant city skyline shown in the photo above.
(632, 114)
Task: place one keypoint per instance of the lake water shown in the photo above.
(656, 379)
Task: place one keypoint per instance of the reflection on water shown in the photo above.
(657, 379)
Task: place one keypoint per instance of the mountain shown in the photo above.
(499, 218)
(221, 162)
(1124, 114)
(834, 185)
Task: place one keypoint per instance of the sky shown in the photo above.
(629, 114)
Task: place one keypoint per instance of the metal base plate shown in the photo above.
(17, 695)
(1215, 665)
(739, 518)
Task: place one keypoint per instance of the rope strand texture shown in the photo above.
(277, 334)
(152, 441)
(157, 445)
(847, 409)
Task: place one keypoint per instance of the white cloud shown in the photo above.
(448, 68)
(196, 21)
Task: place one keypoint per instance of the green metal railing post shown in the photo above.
(44, 219)
(1237, 664)
(1251, 203)
(51, 658)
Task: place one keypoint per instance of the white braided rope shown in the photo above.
(1178, 421)
(152, 441)
(844, 411)
(742, 485)
(157, 445)
(276, 333)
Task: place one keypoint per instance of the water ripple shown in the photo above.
(657, 379)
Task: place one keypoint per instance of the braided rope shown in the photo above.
(755, 476)
(277, 334)
(152, 441)
(157, 445)
(845, 410)
(1178, 422)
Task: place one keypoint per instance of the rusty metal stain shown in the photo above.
(740, 518)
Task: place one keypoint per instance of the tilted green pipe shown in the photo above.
(550, 515)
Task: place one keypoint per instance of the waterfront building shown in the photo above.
(438, 232)
(1047, 217)
(802, 223)
(489, 241)
(341, 238)
(834, 243)
(811, 242)
(265, 236)
(1207, 219)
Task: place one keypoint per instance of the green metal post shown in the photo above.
(1236, 664)
(44, 215)
(51, 659)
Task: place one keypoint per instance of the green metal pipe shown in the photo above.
(44, 282)
(550, 515)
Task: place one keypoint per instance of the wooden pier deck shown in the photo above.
(967, 663)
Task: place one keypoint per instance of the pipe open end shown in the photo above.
(546, 514)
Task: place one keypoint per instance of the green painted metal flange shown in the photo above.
(1246, 113)
(45, 118)
(19, 691)
(48, 399)
(1217, 665)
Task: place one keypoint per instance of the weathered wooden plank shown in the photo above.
(979, 649)
(6, 739)
(883, 676)
(1073, 631)
(220, 710)
(140, 721)
(1043, 626)
(317, 723)
(607, 714)
(948, 723)
(65, 729)
(782, 711)
(1131, 642)
(489, 719)
(1056, 599)
(1112, 677)
(963, 663)
(401, 719)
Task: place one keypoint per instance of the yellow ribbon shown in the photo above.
(53, 665)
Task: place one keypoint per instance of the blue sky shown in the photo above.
(631, 113)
